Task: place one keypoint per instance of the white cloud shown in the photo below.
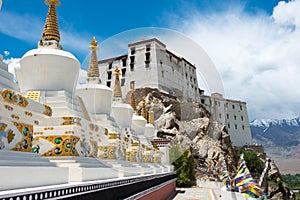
(256, 55)
(6, 53)
(12, 64)
(287, 13)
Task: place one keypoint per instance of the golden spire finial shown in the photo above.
(94, 43)
(51, 31)
(132, 99)
(151, 117)
(143, 111)
(93, 70)
(117, 87)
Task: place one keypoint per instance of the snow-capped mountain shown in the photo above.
(279, 137)
(266, 123)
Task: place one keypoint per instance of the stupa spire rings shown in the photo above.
(94, 44)
(51, 35)
(151, 117)
(132, 98)
(144, 110)
(93, 70)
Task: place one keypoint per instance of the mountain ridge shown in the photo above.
(280, 137)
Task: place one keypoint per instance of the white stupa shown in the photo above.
(50, 72)
(121, 112)
(96, 96)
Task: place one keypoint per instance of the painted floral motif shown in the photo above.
(36, 149)
(10, 136)
(27, 137)
(71, 121)
(48, 111)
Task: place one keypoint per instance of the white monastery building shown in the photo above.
(232, 114)
(150, 64)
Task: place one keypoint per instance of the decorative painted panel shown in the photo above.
(108, 152)
(12, 98)
(64, 145)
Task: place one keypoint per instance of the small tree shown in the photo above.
(185, 168)
(175, 151)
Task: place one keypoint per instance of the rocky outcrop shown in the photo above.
(189, 125)
(277, 189)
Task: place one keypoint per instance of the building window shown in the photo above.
(228, 125)
(122, 81)
(147, 54)
(124, 62)
(148, 47)
(170, 58)
(243, 127)
(108, 83)
(235, 126)
(109, 75)
(220, 116)
(132, 63)
(110, 65)
(234, 117)
(227, 116)
(241, 107)
(202, 101)
(132, 59)
(233, 107)
(131, 67)
(242, 118)
(123, 72)
(132, 51)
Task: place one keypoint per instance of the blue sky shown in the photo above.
(254, 44)
(105, 18)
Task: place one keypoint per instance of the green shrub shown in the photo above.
(185, 168)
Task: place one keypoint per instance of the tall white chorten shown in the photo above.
(121, 112)
(96, 96)
(49, 68)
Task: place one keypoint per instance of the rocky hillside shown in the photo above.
(190, 125)
(281, 138)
